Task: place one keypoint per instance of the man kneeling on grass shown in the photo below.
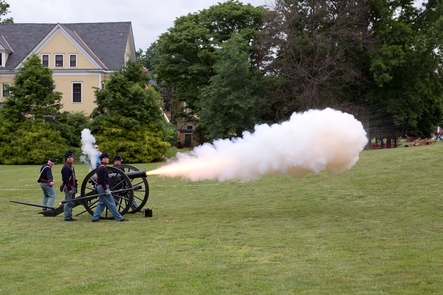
(105, 198)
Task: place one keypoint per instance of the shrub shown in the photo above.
(70, 125)
(140, 144)
(31, 142)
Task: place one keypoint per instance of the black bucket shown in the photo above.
(148, 212)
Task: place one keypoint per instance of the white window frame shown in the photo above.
(75, 60)
(55, 60)
(72, 92)
(49, 60)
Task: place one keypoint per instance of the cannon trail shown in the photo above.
(310, 142)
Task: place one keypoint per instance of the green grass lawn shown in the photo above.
(374, 229)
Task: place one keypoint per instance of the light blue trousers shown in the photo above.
(48, 194)
(67, 209)
(105, 201)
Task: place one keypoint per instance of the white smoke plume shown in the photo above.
(88, 141)
(310, 142)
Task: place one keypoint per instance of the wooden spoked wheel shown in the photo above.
(141, 189)
(121, 189)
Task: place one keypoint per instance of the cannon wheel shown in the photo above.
(140, 195)
(118, 181)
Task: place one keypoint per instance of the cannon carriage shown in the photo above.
(129, 187)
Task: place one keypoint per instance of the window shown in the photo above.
(5, 92)
(45, 60)
(73, 60)
(76, 92)
(189, 127)
(3, 58)
(59, 60)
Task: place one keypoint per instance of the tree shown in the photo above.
(148, 58)
(187, 53)
(4, 11)
(24, 136)
(127, 93)
(232, 103)
(316, 49)
(406, 66)
(129, 111)
(33, 92)
(382, 57)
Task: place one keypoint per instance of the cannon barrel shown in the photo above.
(136, 174)
(131, 175)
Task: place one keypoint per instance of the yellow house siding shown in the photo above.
(64, 84)
(59, 44)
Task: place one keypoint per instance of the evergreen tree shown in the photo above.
(129, 116)
(32, 94)
(24, 136)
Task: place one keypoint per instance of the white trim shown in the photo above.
(73, 72)
(8, 73)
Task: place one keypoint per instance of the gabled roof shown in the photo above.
(104, 42)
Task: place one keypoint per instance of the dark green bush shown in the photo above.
(70, 125)
(139, 144)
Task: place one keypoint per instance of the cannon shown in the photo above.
(129, 187)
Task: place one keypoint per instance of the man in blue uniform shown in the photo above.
(69, 185)
(105, 199)
(47, 183)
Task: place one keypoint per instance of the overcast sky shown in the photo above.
(149, 18)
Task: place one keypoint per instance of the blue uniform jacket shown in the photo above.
(103, 177)
(46, 176)
(68, 176)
